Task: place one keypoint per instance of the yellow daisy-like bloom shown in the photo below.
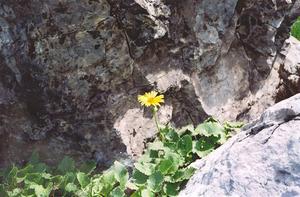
(151, 99)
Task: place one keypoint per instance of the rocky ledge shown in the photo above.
(262, 160)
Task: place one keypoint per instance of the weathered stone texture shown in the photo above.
(262, 160)
(71, 70)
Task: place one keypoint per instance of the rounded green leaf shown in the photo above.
(165, 165)
(121, 174)
(205, 145)
(139, 178)
(71, 187)
(183, 174)
(145, 168)
(295, 30)
(117, 192)
(171, 189)
(147, 193)
(172, 136)
(185, 145)
(155, 181)
(209, 128)
(83, 179)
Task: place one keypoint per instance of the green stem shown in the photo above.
(156, 119)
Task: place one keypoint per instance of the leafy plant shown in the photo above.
(295, 30)
(161, 171)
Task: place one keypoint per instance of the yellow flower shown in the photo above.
(151, 98)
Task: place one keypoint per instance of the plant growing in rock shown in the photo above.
(162, 170)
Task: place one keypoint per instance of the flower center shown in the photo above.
(150, 100)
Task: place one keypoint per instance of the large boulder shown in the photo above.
(70, 71)
(262, 160)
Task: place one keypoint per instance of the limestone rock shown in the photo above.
(260, 163)
(71, 70)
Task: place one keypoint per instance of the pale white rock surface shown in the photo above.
(263, 160)
(135, 129)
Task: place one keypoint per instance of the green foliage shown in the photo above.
(295, 30)
(160, 171)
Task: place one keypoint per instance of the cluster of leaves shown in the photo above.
(38, 179)
(295, 31)
(161, 171)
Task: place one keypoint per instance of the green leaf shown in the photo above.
(83, 193)
(21, 175)
(145, 168)
(83, 179)
(121, 174)
(153, 154)
(15, 192)
(234, 125)
(28, 193)
(171, 189)
(40, 191)
(165, 165)
(71, 187)
(97, 186)
(108, 180)
(170, 145)
(132, 186)
(66, 165)
(212, 129)
(155, 181)
(183, 174)
(185, 145)
(33, 178)
(138, 177)
(176, 159)
(205, 145)
(156, 145)
(147, 193)
(117, 192)
(46, 176)
(88, 167)
(39, 168)
(145, 158)
(295, 30)
(108, 176)
(68, 178)
(136, 194)
(172, 136)
(57, 180)
(209, 128)
(12, 176)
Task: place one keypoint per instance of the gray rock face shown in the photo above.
(70, 71)
(245, 78)
(262, 160)
(289, 69)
